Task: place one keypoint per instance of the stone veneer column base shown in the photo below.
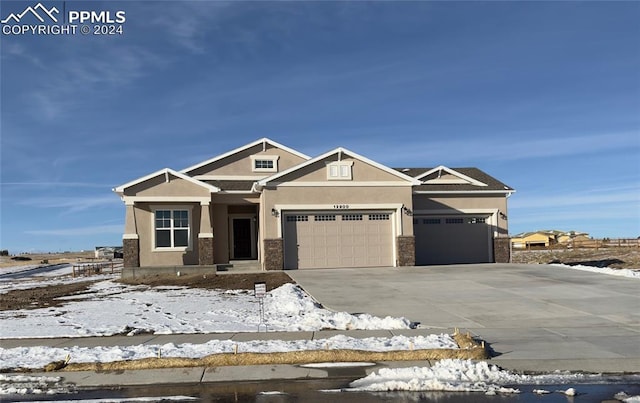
(131, 252)
(205, 251)
(406, 247)
(273, 254)
(502, 250)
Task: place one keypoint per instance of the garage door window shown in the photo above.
(352, 217)
(378, 217)
(325, 217)
(477, 220)
(431, 221)
(454, 221)
(297, 218)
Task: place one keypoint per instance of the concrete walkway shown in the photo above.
(535, 317)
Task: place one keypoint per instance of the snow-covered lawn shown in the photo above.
(112, 308)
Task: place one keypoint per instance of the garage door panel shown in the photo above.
(338, 240)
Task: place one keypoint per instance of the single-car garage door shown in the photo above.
(347, 239)
(452, 239)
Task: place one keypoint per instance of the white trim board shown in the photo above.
(245, 147)
(340, 151)
(166, 171)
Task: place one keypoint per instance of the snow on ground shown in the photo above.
(602, 270)
(38, 357)
(112, 308)
(456, 375)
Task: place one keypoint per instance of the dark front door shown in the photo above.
(242, 238)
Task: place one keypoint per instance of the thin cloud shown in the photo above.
(72, 204)
(57, 184)
(575, 199)
(82, 231)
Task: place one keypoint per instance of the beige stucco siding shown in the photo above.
(361, 172)
(304, 198)
(423, 203)
(159, 187)
(241, 163)
(145, 224)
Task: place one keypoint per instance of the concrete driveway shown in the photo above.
(535, 317)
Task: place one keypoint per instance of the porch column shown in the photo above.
(130, 242)
(205, 237)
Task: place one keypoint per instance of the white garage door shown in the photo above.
(452, 239)
(346, 239)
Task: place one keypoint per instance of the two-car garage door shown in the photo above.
(330, 239)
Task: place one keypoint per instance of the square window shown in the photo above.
(172, 228)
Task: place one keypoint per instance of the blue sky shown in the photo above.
(545, 96)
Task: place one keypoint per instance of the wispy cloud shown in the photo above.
(71, 204)
(82, 231)
(57, 184)
(576, 199)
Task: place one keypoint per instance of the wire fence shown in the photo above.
(583, 244)
(93, 268)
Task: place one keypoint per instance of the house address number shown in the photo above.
(341, 206)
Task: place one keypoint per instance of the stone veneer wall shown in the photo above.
(273, 254)
(502, 250)
(406, 246)
(131, 252)
(205, 251)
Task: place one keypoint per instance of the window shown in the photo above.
(378, 217)
(454, 221)
(431, 221)
(264, 163)
(339, 170)
(297, 218)
(325, 217)
(172, 229)
(477, 220)
(352, 217)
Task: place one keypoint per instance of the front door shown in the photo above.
(242, 239)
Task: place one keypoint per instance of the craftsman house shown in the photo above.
(285, 210)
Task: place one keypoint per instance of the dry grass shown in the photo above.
(469, 349)
(52, 258)
(613, 257)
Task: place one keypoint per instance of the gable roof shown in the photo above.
(475, 175)
(461, 178)
(263, 140)
(391, 171)
(166, 171)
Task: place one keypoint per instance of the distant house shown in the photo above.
(285, 210)
(108, 252)
(573, 236)
(546, 238)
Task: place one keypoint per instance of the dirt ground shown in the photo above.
(615, 258)
(47, 296)
(52, 258)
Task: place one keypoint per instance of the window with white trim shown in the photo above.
(172, 228)
(264, 163)
(339, 170)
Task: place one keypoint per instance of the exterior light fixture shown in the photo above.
(275, 212)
